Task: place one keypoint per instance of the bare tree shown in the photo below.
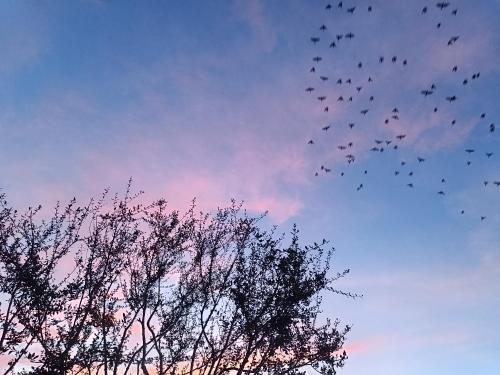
(116, 287)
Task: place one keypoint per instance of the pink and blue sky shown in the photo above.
(206, 99)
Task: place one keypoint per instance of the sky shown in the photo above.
(207, 99)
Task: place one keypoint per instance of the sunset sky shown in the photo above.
(207, 99)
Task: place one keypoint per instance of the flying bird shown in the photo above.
(443, 4)
(453, 40)
(315, 39)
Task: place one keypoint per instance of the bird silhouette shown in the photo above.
(443, 4)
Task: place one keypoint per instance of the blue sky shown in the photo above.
(206, 99)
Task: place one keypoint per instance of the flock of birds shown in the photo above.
(348, 90)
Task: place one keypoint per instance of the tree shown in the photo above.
(116, 287)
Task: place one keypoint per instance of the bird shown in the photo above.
(312, 70)
(349, 35)
(469, 150)
(364, 111)
(453, 40)
(451, 98)
(497, 183)
(455, 68)
(333, 45)
(359, 187)
(315, 39)
(483, 218)
(311, 142)
(489, 154)
(325, 128)
(400, 136)
(492, 128)
(323, 78)
(317, 59)
(328, 6)
(443, 4)
(410, 185)
(483, 115)
(440, 192)
(426, 92)
(424, 10)
(323, 27)
(420, 160)
(381, 59)
(310, 89)
(351, 10)
(454, 12)
(321, 98)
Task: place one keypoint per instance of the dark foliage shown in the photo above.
(118, 288)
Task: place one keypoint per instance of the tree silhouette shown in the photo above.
(116, 287)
